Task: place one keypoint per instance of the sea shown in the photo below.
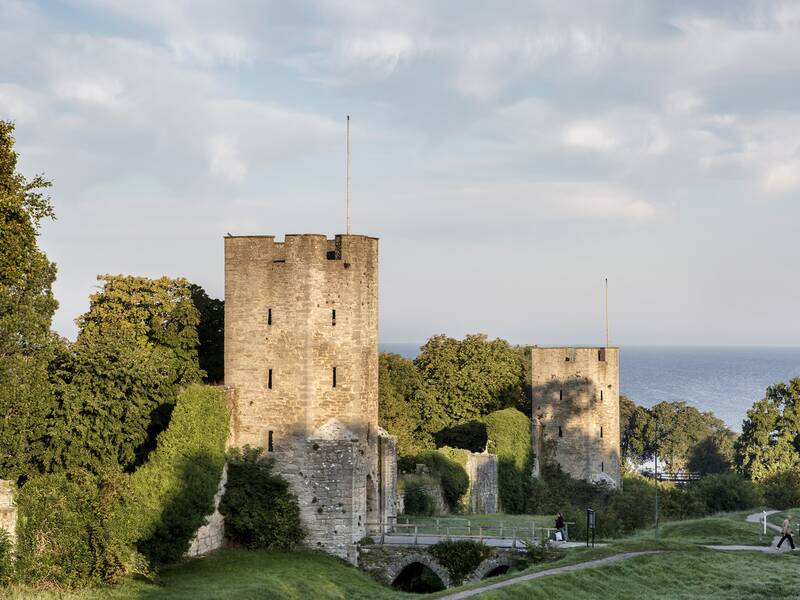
(722, 380)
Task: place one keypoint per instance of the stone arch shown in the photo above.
(489, 565)
(395, 569)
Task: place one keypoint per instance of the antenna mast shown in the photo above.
(348, 174)
(606, 310)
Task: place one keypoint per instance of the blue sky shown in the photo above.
(509, 156)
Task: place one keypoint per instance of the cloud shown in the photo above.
(783, 177)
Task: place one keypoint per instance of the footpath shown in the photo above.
(754, 518)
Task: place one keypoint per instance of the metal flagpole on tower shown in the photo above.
(348, 174)
(606, 310)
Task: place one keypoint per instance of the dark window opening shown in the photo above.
(333, 316)
(602, 467)
(601, 432)
(334, 376)
(601, 395)
(560, 394)
(279, 261)
(331, 255)
(269, 442)
(269, 316)
(269, 379)
(566, 358)
(601, 354)
(560, 433)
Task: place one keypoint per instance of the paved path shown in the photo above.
(754, 518)
(425, 539)
(771, 549)
(556, 571)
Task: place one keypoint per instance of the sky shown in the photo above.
(510, 156)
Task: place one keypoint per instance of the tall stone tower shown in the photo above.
(301, 360)
(575, 394)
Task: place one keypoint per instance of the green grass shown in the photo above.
(240, 574)
(690, 574)
(728, 528)
(777, 518)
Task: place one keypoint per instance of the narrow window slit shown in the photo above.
(269, 441)
(269, 316)
(269, 379)
(601, 432)
(333, 316)
(560, 433)
(334, 376)
(560, 394)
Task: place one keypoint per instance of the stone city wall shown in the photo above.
(211, 535)
(8, 508)
(483, 483)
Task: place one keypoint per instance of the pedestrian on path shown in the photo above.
(562, 529)
(787, 532)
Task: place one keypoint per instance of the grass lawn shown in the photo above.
(728, 528)
(689, 574)
(241, 574)
(777, 518)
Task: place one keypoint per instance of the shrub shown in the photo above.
(542, 551)
(509, 437)
(445, 465)
(6, 557)
(728, 492)
(259, 510)
(416, 499)
(67, 534)
(460, 557)
(782, 490)
(173, 492)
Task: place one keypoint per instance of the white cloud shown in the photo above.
(590, 136)
(783, 177)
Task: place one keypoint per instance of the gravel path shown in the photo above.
(771, 549)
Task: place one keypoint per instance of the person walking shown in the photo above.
(563, 530)
(787, 532)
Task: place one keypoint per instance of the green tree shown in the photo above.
(467, 379)
(211, 334)
(112, 398)
(627, 410)
(157, 312)
(770, 440)
(400, 393)
(26, 310)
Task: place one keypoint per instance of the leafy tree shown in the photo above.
(400, 395)
(211, 334)
(112, 398)
(627, 410)
(672, 430)
(467, 379)
(714, 454)
(157, 312)
(770, 440)
(26, 310)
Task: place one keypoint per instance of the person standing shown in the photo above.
(787, 532)
(563, 530)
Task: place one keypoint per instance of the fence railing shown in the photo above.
(456, 528)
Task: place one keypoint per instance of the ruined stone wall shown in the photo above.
(575, 395)
(301, 355)
(8, 508)
(483, 483)
(211, 535)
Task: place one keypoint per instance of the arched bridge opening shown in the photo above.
(418, 578)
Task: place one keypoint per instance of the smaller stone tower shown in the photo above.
(575, 394)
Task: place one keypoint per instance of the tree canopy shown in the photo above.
(27, 305)
(210, 333)
(770, 440)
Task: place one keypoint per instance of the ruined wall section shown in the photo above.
(483, 483)
(575, 395)
(8, 508)
(295, 311)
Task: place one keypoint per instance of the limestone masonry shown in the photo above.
(301, 361)
(575, 394)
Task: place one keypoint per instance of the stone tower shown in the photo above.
(575, 394)
(301, 361)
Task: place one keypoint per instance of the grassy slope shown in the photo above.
(777, 518)
(243, 574)
(730, 528)
(691, 574)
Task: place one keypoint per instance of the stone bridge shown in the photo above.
(389, 564)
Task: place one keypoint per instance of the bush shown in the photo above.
(444, 465)
(542, 551)
(460, 557)
(728, 492)
(6, 557)
(782, 490)
(67, 534)
(259, 510)
(509, 437)
(173, 492)
(416, 498)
